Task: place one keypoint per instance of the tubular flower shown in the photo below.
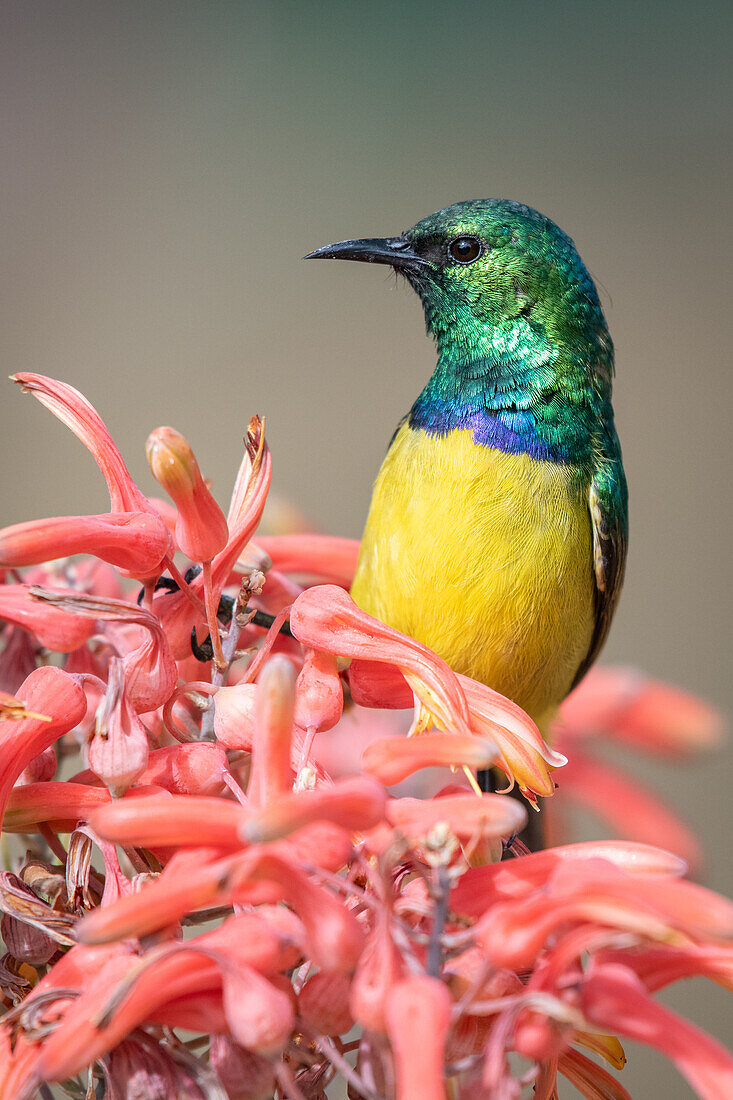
(255, 883)
(325, 617)
(54, 629)
(149, 669)
(328, 559)
(622, 704)
(59, 703)
(201, 529)
(73, 409)
(418, 1007)
(133, 541)
(174, 609)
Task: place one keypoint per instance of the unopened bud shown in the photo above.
(26, 943)
(244, 1075)
(272, 774)
(324, 1003)
(234, 709)
(201, 529)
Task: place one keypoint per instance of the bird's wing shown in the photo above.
(607, 501)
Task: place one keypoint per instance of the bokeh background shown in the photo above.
(165, 166)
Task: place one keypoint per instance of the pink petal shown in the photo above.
(392, 759)
(419, 1007)
(627, 807)
(326, 618)
(332, 560)
(615, 1000)
(57, 696)
(54, 629)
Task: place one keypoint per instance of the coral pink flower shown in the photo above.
(417, 1008)
(196, 768)
(271, 774)
(392, 759)
(133, 541)
(380, 968)
(149, 669)
(354, 804)
(61, 804)
(319, 699)
(331, 560)
(201, 529)
(128, 991)
(327, 618)
(175, 609)
(323, 1003)
(594, 892)
(61, 702)
(162, 820)
(614, 999)
(482, 887)
(260, 1016)
(54, 629)
(466, 816)
(234, 710)
(524, 756)
(627, 705)
(85, 422)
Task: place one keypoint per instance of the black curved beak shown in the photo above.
(395, 251)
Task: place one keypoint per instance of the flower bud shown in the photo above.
(234, 709)
(320, 698)
(272, 775)
(260, 1016)
(418, 1007)
(380, 967)
(201, 529)
(26, 943)
(323, 1003)
(244, 1075)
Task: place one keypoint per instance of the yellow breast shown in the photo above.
(486, 558)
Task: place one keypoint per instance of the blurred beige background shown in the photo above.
(165, 166)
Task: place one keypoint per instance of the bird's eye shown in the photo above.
(465, 249)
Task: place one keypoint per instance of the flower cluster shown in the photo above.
(210, 909)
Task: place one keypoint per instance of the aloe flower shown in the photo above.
(209, 837)
(621, 704)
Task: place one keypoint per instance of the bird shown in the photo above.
(498, 526)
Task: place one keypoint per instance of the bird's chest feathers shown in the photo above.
(484, 555)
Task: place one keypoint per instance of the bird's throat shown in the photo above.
(510, 401)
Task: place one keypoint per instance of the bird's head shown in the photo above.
(488, 268)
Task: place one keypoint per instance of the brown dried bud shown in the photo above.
(244, 1075)
(26, 943)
